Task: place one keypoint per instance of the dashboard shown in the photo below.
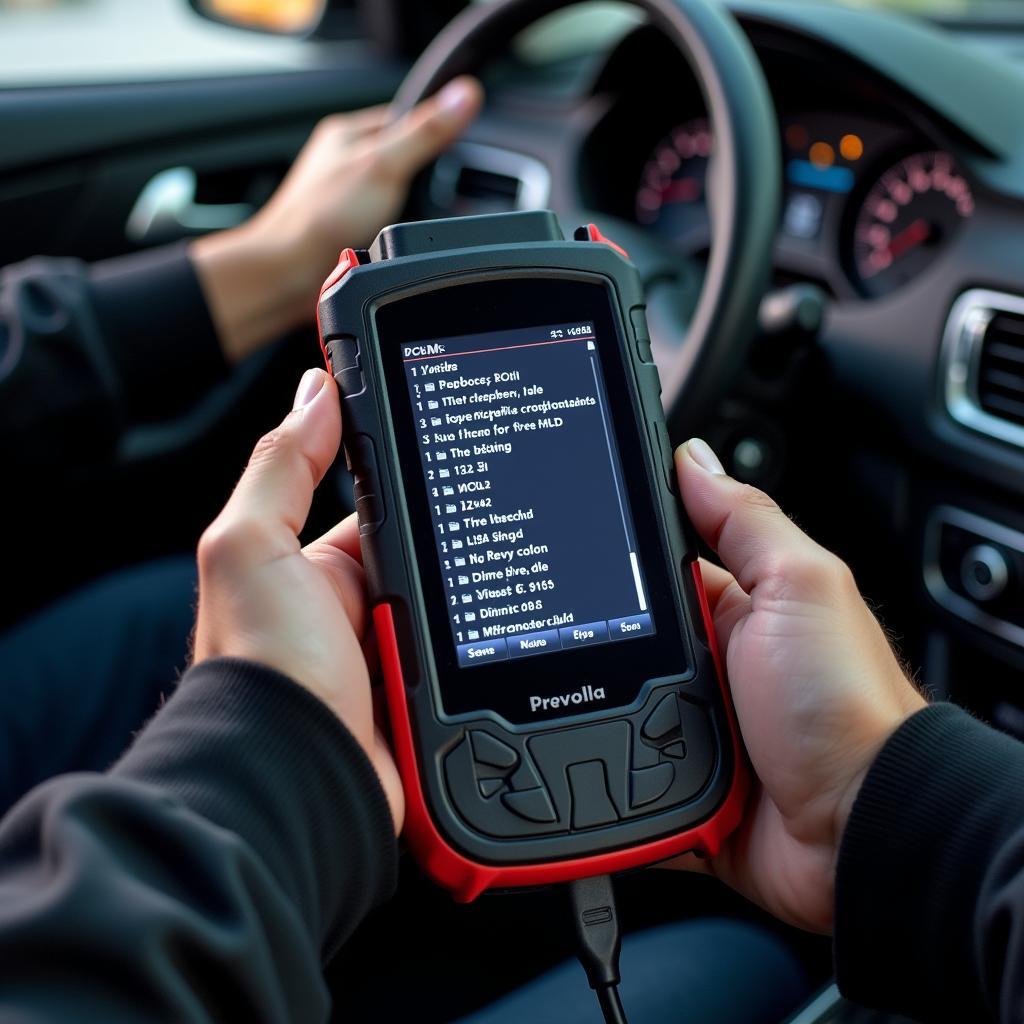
(853, 197)
(873, 195)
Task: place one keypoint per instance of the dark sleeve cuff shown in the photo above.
(156, 324)
(253, 752)
(942, 797)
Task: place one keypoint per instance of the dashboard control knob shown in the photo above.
(984, 572)
(797, 309)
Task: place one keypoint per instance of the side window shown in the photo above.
(81, 42)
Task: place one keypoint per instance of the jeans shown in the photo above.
(80, 678)
(695, 972)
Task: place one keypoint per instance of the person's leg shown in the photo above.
(79, 678)
(695, 972)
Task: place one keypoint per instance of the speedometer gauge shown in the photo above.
(905, 219)
(670, 194)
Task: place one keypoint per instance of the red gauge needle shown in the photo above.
(910, 237)
(685, 190)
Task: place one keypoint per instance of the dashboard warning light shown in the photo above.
(822, 154)
(851, 147)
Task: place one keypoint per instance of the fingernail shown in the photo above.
(701, 453)
(309, 387)
(456, 99)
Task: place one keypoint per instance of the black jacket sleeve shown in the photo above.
(930, 881)
(207, 876)
(78, 344)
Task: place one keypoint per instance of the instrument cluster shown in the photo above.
(864, 200)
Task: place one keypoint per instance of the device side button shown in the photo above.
(369, 514)
(638, 321)
(343, 352)
(362, 457)
(664, 454)
(343, 355)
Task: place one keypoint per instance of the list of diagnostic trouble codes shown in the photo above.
(534, 533)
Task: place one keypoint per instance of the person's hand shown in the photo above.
(302, 611)
(816, 686)
(351, 178)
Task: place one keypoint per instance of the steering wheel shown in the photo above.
(698, 355)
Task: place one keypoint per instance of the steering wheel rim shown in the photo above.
(744, 178)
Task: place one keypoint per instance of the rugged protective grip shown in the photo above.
(466, 878)
(491, 804)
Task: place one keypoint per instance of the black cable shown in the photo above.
(596, 921)
(611, 1006)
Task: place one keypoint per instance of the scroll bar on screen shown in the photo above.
(634, 564)
(636, 579)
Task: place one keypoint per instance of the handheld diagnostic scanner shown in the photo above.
(556, 705)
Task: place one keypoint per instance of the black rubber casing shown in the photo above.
(587, 783)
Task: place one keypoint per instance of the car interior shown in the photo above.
(826, 210)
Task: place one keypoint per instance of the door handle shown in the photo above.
(166, 209)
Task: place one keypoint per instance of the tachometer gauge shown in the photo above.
(670, 196)
(906, 217)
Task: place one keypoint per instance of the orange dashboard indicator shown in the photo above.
(851, 147)
(822, 154)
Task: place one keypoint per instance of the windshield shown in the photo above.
(54, 42)
(61, 42)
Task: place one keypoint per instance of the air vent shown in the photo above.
(983, 364)
(1001, 367)
(473, 178)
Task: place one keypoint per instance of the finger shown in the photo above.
(344, 129)
(269, 506)
(366, 122)
(716, 581)
(344, 536)
(756, 542)
(429, 128)
(348, 581)
(726, 599)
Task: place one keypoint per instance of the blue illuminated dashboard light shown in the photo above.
(827, 179)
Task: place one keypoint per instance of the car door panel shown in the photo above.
(75, 159)
(74, 163)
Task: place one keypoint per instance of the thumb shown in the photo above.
(269, 506)
(429, 128)
(755, 540)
